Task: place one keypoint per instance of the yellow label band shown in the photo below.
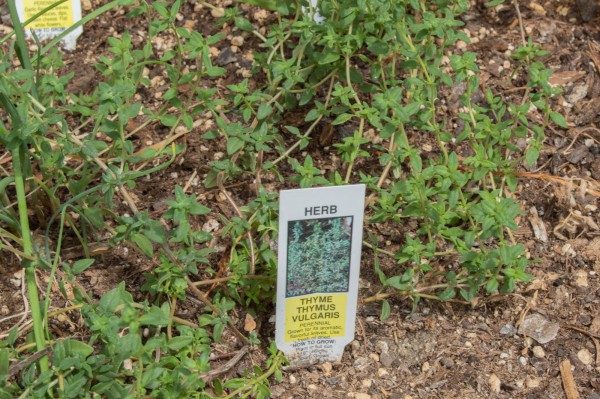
(58, 17)
(315, 316)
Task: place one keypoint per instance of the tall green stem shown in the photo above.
(34, 300)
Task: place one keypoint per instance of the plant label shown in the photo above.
(52, 22)
(318, 18)
(320, 239)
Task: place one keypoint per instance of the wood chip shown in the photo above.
(568, 380)
(539, 229)
(564, 77)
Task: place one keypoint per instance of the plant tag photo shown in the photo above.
(52, 22)
(320, 240)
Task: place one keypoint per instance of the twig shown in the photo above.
(593, 337)
(14, 370)
(201, 296)
(239, 214)
(189, 182)
(212, 374)
(568, 380)
(518, 10)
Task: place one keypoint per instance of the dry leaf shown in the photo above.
(539, 229)
(249, 323)
(564, 77)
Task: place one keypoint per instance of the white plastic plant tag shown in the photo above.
(318, 18)
(53, 22)
(320, 240)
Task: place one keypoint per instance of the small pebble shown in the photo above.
(447, 362)
(360, 395)
(381, 372)
(237, 41)
(495, 383)
(522, 361)
(532, 382)
(425, 367)
(538, 352)
(217, 12)
(585, 356)
(508, 329)
(293, 379)
(312, 389)
(367, 383)
(382, 347)
(326, 367)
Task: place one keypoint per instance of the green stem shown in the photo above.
(34, 300)
(22, 51)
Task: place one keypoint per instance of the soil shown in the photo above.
(438, 350)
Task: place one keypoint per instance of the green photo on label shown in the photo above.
(318, 255)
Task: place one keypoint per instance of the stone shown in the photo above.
(334, 380)
(360, 395)
(237, 41)
(381, 372)
(585, 357)
(495, 384)
(361, 363)
(539, 328)
(538, 352)
(447, 362)
(386, 359)
(581, 278)
(508, 330)
(312, 389)
(217, 12)
(382, 347)
(326, 367)
(522, 361)
(277, 391)
(532, 382)
(293, 379)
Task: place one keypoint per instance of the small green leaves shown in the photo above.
(81, 265)
(385, 310)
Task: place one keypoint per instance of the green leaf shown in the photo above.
(177, 343)
(80, 348)
(218, 331)
(244, 24)
(143, 243)
(343, 118)
(531, 156)
(379, 47)
(81, 265)
(558, 119)
(447, 294)
(329, 58)
(491, 286)
(156, 316)
(268, 4)
(94, 216)
(4, 362)
(264, 110)
(115, 297)
(395, 282)
(385, 310)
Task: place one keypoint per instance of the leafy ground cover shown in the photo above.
(145, 168)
